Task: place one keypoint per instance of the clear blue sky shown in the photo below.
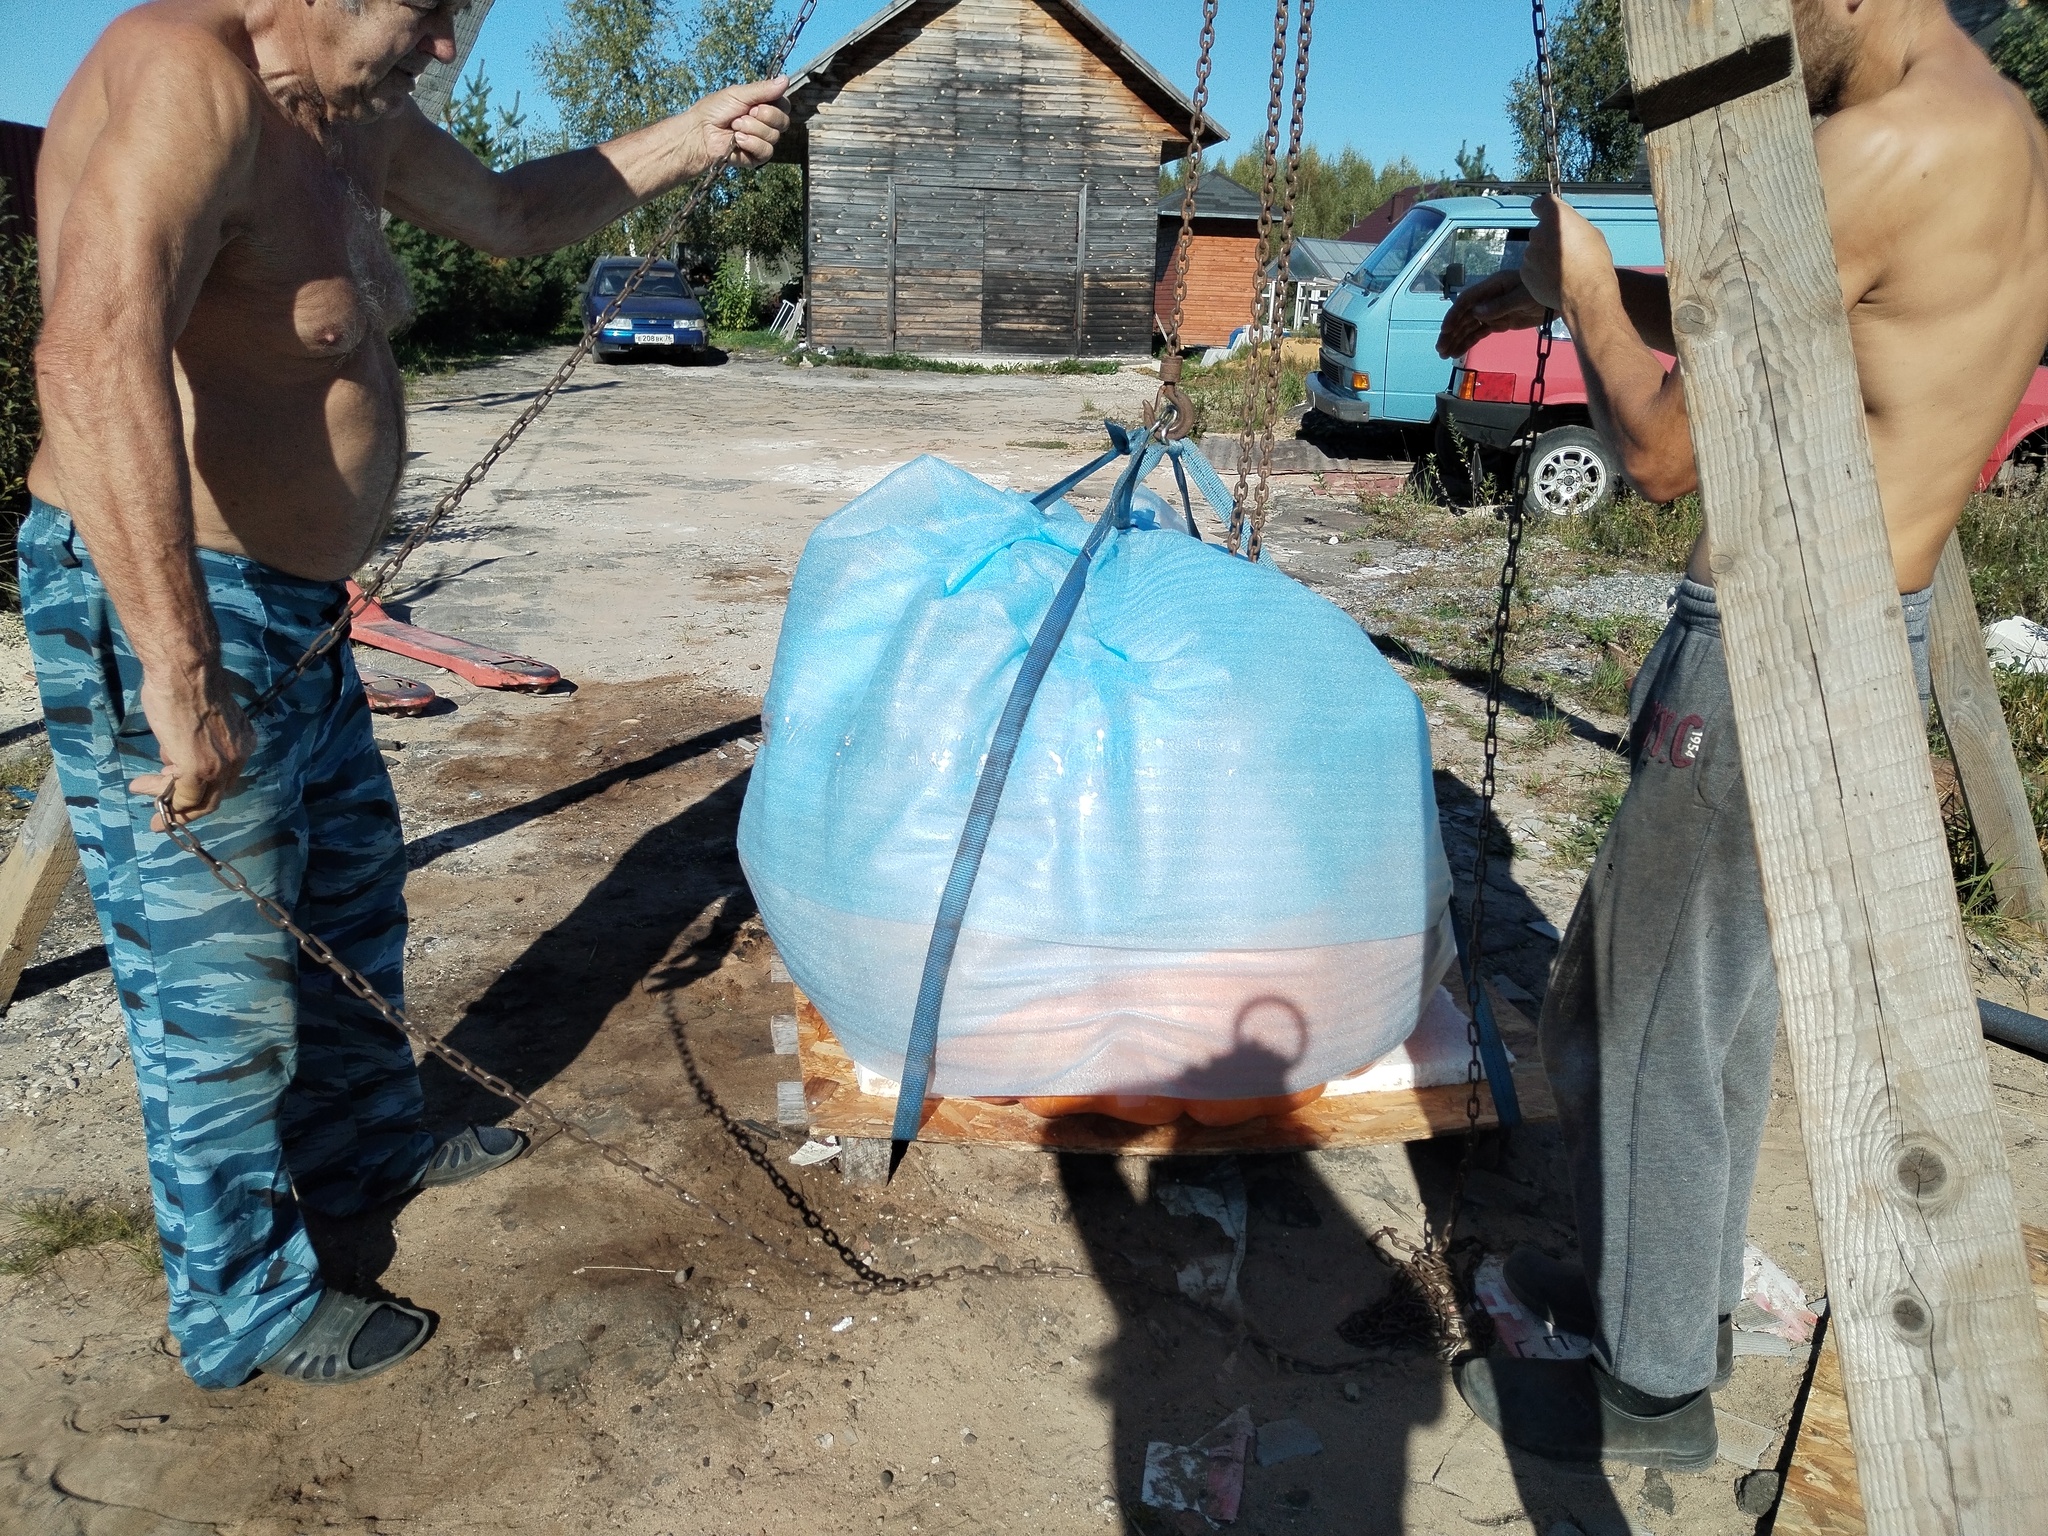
(1388, 77)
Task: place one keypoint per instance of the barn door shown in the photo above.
(1031, 301)
(935, 267)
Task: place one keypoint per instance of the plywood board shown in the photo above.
(1822, 1497)
(839, 1108)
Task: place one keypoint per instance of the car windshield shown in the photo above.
(1397, 250)
(655, 285)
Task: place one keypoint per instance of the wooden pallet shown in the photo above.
(1822, 1496)
(837, 1107)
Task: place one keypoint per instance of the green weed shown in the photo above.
(1051, 444)
(1630, 528)
(1581, 844)
(50, 1227)
(2005, 543)
(1548, 728)
(904, 362)
(1608, 689)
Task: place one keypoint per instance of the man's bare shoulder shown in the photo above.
(1953, 133)
(167, 61)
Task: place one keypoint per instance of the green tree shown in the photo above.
(756, 212)
(1588, 64)
(1472, 166)
(463, 298)
(2021, 50)
(1335, 191)
(21, 424)
(612, 66)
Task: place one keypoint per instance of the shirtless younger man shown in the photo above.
(224, 434)
(1663, 1008)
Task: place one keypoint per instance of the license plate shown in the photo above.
(654, 339)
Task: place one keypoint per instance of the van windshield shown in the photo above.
(1397, 250)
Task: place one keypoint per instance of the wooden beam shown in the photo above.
(1926, 1275)
(1971, 718)
(32, 880)
(436, 86)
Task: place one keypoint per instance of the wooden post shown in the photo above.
(32, 880)
(436, 87)
(1971, 718)
(890, 216)
(1926, 1274)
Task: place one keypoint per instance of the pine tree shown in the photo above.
(1588, 64)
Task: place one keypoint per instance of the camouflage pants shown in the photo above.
(264, 1085)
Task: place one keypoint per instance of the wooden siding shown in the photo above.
(1222, 267)
(980, 181)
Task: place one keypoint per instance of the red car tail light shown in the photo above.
(1476, 384)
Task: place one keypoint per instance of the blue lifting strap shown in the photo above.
(1493, 1055)
(1145, 454)
(922, 1051)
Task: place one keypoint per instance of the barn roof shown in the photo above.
(1150, 87)
(1218, 197)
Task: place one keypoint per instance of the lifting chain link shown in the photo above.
(1431, 1264)
(1172, 411)
(388, 568)
(1264, 360)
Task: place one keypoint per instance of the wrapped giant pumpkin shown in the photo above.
(1216, 872)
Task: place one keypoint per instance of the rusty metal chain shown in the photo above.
(1172, 409)
(1431, 1263)
(1269, 162)
(388, 568)
(1275, 356)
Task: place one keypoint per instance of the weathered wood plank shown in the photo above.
(1972, 719)
(32, 880)
(1821, 1495)
(1941, 1358)
(839, 1108)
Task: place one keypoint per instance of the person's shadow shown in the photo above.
(1231, 1278)
(1304, 1312)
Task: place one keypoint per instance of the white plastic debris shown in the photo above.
(842, 1325)
(1212, 1278)
(1775, 1295)
(2019, 643)
(1206, 1477)
(812, 1153)
(1519, 1330)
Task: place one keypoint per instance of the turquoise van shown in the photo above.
(1378, 361)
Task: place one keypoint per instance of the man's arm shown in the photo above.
(140, 233)
(543, 205)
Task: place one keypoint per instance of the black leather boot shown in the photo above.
(1573, 1411)
(1556, 1291)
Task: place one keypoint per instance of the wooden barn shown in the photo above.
(1223, 261)
(981, 177)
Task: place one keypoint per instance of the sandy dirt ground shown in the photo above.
(609, 1358)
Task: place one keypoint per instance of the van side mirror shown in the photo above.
(1454, 278)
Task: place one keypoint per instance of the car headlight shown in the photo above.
(689, 325)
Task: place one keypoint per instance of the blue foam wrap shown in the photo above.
(1216, 868)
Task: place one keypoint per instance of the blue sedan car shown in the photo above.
(662, 313)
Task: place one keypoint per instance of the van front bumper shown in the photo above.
(1491, 423)
(1330, 403)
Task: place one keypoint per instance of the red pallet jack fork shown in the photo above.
(479, 664)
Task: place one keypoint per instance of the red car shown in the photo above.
(1574, 470)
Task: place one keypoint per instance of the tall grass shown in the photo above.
(1222, 395)
(1630, 528)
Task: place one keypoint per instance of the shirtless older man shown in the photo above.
(1663, 1008)
(224, 434)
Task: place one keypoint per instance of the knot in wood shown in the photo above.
(1691, 318)
(1909, 1316)
(1923, 1175)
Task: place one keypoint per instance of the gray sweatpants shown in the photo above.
(1662, 1013)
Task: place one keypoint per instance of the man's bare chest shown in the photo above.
(305, 270)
